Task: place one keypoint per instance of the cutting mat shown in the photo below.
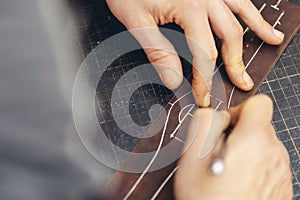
(283, 86)
(96, 24)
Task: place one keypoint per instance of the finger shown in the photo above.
(159, 51)
(200, 132)
(202, 45)
(252, 127)
(205, 130)
(251, 122)
(220, 121)
(278, 170)
(252, 17)
(232, 44)
(257, 110)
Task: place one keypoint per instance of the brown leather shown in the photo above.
(259, 68)
(268, 55)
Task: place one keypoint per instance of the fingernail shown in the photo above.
(248, 80)
(206, 100)
(169, 77)
(278, 34)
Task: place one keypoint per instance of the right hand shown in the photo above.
(256, 162)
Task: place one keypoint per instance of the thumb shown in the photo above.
(256, 110)
(160, 53)
(206, 126)
(205, 130)
(252, 122)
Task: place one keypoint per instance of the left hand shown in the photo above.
(199, 19)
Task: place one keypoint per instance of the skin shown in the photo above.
(256, 162)
(199, 19)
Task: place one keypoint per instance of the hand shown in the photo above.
(197, 18)
(256, 162)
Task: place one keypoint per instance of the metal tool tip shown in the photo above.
(217, 167)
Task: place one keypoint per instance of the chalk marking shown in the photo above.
(256, 52)
(157, 151)
(164, 183)
(179, 140)
(172, 104)
(220, 103)
(276, 5)
(230, 98)
(181, 120)
(245, 31)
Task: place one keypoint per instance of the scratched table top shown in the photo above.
(96, 24)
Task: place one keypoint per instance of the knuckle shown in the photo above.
(194, 4)
(212, 54)
(243, 5)
(279, 161)
(205, 53)
(236, 66)
(259, 23)
(237, 31)
(157, 56)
